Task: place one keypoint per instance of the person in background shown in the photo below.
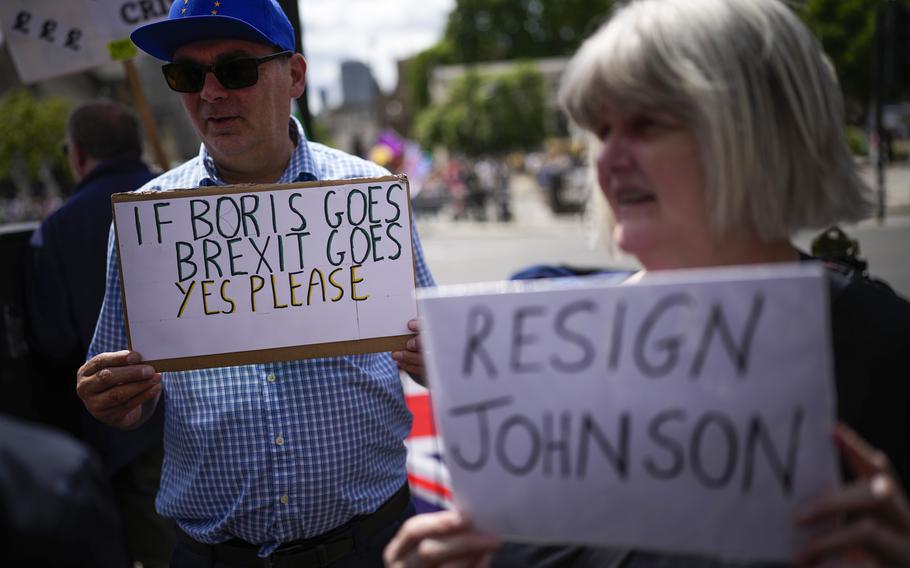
(720, 133)
(295, 462)
(64, 294)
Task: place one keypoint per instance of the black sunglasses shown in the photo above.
(238, 73)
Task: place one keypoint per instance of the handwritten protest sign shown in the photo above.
(690, 412)
(244, 274)
(116, 19)
(49, 38)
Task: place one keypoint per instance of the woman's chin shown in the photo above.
(634, 240)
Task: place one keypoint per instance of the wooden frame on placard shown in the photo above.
(329, 349)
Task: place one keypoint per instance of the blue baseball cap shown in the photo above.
(260, 21)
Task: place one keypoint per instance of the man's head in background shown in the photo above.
(234, 66)
(101, 130)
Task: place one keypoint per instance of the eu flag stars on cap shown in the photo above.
(259, 21)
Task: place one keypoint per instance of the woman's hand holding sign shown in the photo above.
(870, 518)
(115, 387)
(440, 540)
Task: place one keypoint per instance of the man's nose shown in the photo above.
(212, 89)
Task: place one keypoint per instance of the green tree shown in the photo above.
(418, 70)
(31, 133)
(486, 114)
(847, 32)
(488, 30)
(491, 30)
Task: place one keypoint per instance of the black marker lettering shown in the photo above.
(502, 444)
(22, 20)
(671, 345)
(480, 409)
(577, 339)
(661, 439)
(618, 457)
(482, 316)
(784, 469)
(72, 39)
(47, 31)
(728, 432)
(557, 445)
(717, 324)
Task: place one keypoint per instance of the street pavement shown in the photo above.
(470, 251)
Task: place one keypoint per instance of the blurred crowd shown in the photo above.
(19, 209)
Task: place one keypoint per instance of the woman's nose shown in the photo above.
(616, 152)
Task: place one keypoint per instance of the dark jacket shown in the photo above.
(64, 292)
(55, 506)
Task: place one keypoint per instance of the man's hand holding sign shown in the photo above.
(245, 275)
(116, 388)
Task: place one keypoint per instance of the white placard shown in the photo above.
(49, 38)
(245, 269)
(116, 19)
(690, 412)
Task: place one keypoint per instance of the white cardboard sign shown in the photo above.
(690, 412)
(116, 19)
(243, 274)
(49, 38)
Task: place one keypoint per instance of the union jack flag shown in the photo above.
(427, 475)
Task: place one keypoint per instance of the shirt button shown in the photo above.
(284, 499)
(271, 377)
(279, 440)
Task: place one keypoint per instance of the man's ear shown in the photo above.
(77, 159)
(297, 66)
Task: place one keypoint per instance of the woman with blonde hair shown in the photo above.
(720, 134)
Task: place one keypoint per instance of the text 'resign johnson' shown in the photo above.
(689, 412)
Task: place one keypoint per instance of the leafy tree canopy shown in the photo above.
(492, 30)
(489, 30)
(847, 32)
(488, 114)
(31, 132)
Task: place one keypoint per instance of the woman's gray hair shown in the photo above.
(752, 83)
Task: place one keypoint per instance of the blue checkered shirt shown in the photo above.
(276, 452)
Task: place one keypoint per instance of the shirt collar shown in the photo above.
(301, 166)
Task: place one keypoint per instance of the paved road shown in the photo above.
(460, 252)
(897, 188)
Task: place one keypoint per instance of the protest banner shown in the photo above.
(116, 19)
(49, 38)
(250, 274)
(690, 412)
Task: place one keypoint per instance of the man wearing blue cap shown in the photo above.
(296, 463)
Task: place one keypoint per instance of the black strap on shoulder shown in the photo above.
(839, 279)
